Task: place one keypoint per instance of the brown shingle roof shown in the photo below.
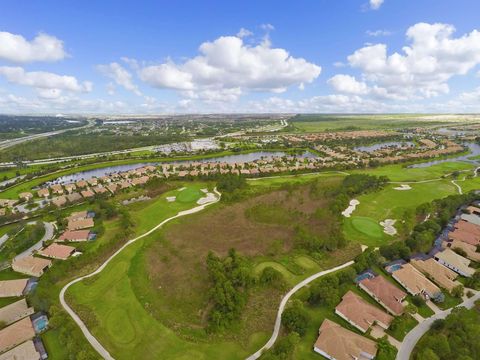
(15, 311)
(469, 249)
(465, 236)
(442, 275)
(57, 251)
(343, 344)
(75, 235)
(415, 283)
(78, 215)
(389, 295)
(31, 265)
(469, 227)
(9, 288)
(81, 224)
(16, 334)
(360, 312)
(25, 351)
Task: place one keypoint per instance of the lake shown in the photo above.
(383, 145)
(474, 151)
(236, 158)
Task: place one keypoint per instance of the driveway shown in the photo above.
(417, 332)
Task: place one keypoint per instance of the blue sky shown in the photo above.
(248, 56)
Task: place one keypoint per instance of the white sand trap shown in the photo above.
(349, 210)
(388, 226)
(208, 198)
(363, 247)
(171, 198)
(181, 189)
(204, 190)
(403, 187)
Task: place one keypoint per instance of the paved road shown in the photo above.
(49, 231)
(278, 320)
(12, 142)
(417, 332)
(90, 338)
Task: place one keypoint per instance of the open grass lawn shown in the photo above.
(321, 123)
(401, 172)
(449, 302)
(363, 226)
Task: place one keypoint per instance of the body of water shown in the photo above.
(237, 158)
(383, 145)
(474, 151)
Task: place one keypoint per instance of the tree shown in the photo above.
(457, 291)
(295, 318)
(418, 300)
(271, 276)
(427, 354)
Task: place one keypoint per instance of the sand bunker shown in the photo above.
(208, 198)
(403, 187)
(349, 210)
(183, 188)
(388, 226)
(171, 198)
(204, 190)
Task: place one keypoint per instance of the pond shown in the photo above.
(383, 145)
(236, 158)
(474, 150)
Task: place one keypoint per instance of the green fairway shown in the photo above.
(122, 321)
(389, 203)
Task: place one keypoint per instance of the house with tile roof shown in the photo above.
(338, 343)
(385, 293)
(415, 283)
(361, 314)
(443, 276)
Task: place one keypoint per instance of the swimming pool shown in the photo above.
(364, 276)
(40, 324)
(393, 268)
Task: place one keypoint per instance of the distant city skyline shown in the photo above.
(148, 57)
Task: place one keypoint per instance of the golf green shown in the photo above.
(367, 226)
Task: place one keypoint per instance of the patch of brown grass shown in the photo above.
(175, 265)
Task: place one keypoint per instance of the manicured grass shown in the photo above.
(9, 274)
(55, 349)
(367, 226)
(401, 172)
(389, 203)
(188, 195)
(449, 302)
(402, 326)
(125, 326)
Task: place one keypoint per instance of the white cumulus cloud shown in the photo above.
(228, 64)
(347, 84)
(425, 66)
(43, 47)
(375, 4)
(48, 84)
(120, 75)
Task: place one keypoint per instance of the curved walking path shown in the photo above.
(278, 320)
(418, 331)
(88, 335)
